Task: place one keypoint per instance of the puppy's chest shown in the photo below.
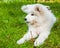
(35, 31)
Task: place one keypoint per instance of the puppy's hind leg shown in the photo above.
(42, 37)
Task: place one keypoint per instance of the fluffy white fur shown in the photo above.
(40, 21)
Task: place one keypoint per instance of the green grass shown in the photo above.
(13, 27)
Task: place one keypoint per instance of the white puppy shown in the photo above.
(40, 21)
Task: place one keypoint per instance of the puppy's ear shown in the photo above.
(24, 8)
(37, 9)
(48, 7)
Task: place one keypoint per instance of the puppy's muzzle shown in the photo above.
(26, 20)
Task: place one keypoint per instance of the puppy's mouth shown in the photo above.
(27, 21)
(33, 22)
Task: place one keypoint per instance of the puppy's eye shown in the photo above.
(32, 14)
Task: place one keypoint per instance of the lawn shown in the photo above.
(13, 27)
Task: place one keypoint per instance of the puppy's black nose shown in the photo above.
(25, 19)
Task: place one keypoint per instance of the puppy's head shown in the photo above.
(35, 13)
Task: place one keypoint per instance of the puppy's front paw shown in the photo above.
(20, 41)
(38, 42)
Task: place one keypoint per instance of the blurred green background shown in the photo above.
(13, 27)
